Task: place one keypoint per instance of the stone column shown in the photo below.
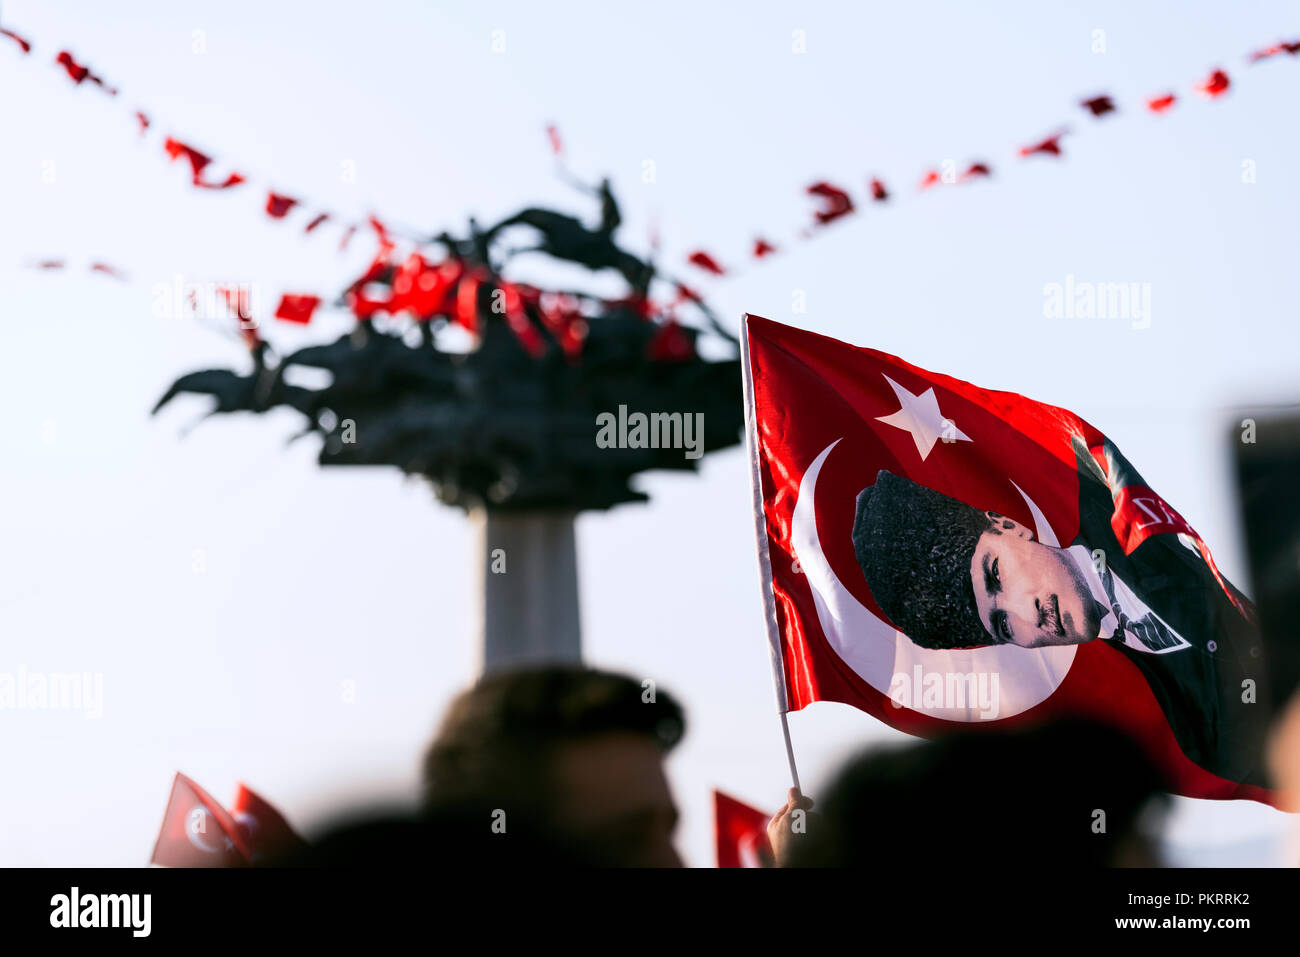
(528, 587)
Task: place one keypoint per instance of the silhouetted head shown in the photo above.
(570, 754)
(1069, 794)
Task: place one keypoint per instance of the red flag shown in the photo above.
(1099, 105)
(706, 262)
(1158, 104)
(198, 163)
(878, 191)
(80, 73)
(297, 308)
(467, 300)
(423, 289)
(838, 203)
(973, 171)
(1048, 147)
(266, 831)
(320, 218)
(1215, 85)
(278, 206)
(931, 178)
(762, 248)
(557, 145)
(143, 120)
(197, 831)
(24, 45)
(1264, 54)
(944, 556)
(740, 833)
(108, 270)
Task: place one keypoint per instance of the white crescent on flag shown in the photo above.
(877, 651)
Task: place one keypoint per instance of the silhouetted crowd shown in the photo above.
(563, 766)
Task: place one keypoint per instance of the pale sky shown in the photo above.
(226, 589)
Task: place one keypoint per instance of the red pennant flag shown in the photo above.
(931, 178)
(763, 248)
(197, 831)
(973, 171)
(1159, 104)
(198, 163)
(143, 120)
(467, 300)
(278, 206)
(108, 270)
(24, 45)
(347, 237)
(943, 556)
(1099, 105)
(381, 231)
(740, 833)
(320, 218)
(837, 202)
(266, 831)
(423, 289)
(705, 262)
(297, 308)
(1215, 85)
(878, 191)
(1048, 147)
(557, 145)
(1290, 48)
(687, 294)
(79, 73)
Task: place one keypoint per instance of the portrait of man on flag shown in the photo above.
(951, 575)
(915, 524)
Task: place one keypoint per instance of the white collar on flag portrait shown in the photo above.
(882, 656)
(1133, 608)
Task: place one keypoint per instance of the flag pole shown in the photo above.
(764, 557)
(789, 751)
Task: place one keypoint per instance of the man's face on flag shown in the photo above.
(1027, 593)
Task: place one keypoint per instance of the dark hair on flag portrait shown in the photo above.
(914, 545)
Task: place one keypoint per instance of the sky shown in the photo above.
(254, 618)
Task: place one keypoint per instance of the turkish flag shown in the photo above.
(199, 162)
(266, 831)
(941, 555)
(197, 831)
(740, 832)
(278, 205)
(297, 308)
(706, 262)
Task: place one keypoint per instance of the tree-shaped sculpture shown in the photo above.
(507, 430)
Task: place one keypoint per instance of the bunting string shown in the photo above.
(832, 203)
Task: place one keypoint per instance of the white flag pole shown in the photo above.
(764, 558)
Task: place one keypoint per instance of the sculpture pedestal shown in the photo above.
(528, 587)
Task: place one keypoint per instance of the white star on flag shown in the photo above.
(920, 415)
